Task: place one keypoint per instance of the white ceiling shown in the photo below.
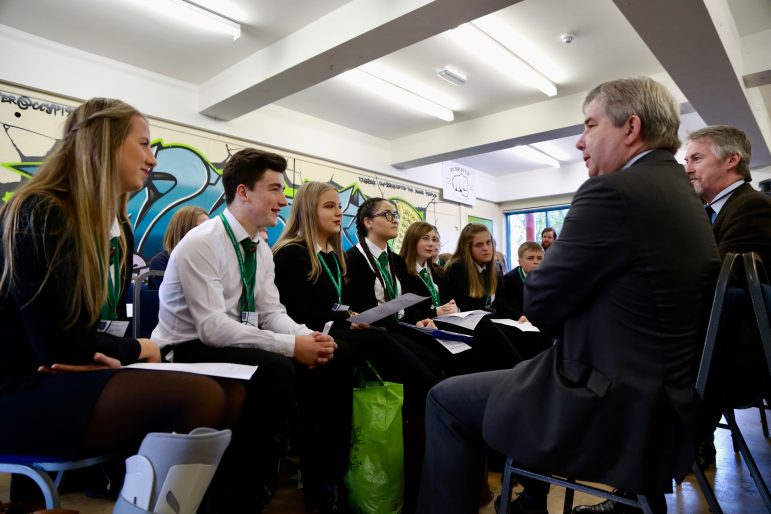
(291, 51)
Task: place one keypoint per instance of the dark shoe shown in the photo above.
(705, 454)
(334, 500)
(607, 507)
(516, 507)
(485, 497)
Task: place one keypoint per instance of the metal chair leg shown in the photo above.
(706, 490)
(506, 488)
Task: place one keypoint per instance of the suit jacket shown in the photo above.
(744, 225)
(514, 289)
(613, 400)
(33, 325)
(414, 284)
(306, 302)
(359, 287)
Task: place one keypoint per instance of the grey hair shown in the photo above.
(647, 99)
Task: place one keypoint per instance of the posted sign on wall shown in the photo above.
(458, 184)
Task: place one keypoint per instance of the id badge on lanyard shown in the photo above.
(249, 318)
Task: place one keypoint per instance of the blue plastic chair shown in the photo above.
(146, 305)
(37, 468)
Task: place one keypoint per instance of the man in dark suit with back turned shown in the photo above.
(717, 164)
(613, 400)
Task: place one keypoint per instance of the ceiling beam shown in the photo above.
(697, 44)
(550, 119)
(354, 34)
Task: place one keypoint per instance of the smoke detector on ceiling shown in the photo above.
(452, 75)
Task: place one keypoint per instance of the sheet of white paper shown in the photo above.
(212, 369)
(387, 309)
(467, 319)
(524, 327)
(454, 346)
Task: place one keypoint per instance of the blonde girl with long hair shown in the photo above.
(65, 244)
(312, 277)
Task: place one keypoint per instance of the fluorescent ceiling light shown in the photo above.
(531, 154)
(483, 46)
(512, 38)
(554, 151)
(451, 75)
(198, 16)
(396, 94)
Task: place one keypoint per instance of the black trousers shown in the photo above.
(324, 397)
(254, 451)
(397, 359)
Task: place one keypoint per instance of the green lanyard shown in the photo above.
(390, 281)
(247, 294)
(425, 276)
(337, 283)
(521, 274)
(109, 309)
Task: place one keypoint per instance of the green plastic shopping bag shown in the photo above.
(375, 476)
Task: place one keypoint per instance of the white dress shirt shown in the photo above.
(722, 197)
(419, 269)
(201, 291)
(380, 293)
(480, 269)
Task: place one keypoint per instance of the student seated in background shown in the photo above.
(472, 277)
(183, 220)
(423, 276)
(530, 256)
(66, 247)
(548, 236)
(218, 303)
(475, 283)
(442, 259)
(491, 347)
(310, 273)
(500, 262)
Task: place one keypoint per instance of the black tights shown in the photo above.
(135, 402)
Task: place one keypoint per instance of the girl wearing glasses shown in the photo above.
(310, 276)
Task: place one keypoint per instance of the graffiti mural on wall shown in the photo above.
(184, 176)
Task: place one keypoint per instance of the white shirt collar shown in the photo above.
(420, 268)
(239, 231)
(115, 228)
(635, 158)
(723, 196)
(374, 249)
(480, 269)
(317, 247)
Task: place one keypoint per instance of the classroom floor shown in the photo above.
(734, 487)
